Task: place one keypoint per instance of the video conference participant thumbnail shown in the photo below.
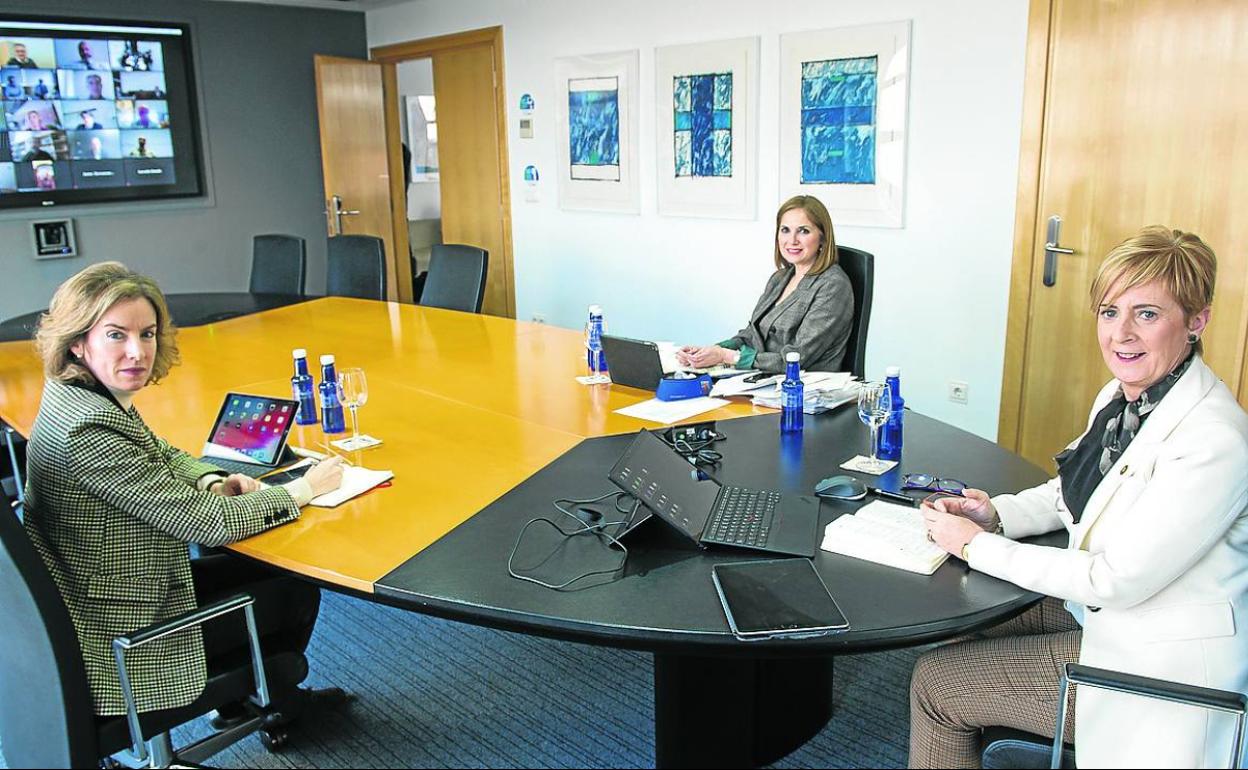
(16, 83)
(30, 146)
(86, 85)
(81, 54)
(104, 144)
(27, 52)
(136, 55)
(8, 178)
(141, 85)
(87, 115)
(31, 115)
(147, 144)
(43, 175)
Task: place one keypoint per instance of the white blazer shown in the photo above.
(1157, 571)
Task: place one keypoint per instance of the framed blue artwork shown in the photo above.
(844, 96)
(838, 121)
(594, 128)
(596, 113)
(706, 120)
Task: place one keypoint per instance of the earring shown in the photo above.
(1192, 338)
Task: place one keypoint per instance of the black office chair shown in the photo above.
(20, 327)
(860, 267)
(357, 267)
(456, 277)
(1008, 748)
(279, 264)
(46, 714)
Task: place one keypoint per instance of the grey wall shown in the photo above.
(257, 97)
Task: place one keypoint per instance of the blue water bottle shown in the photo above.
(331, 405)
(792, 394)
(302, 386)
(594, 328)
(890, 434)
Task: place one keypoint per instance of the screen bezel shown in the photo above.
(281, 446)
(181, 94)
(769, 616)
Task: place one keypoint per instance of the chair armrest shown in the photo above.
(1206, 697)
(175, 625)
(1132, 684)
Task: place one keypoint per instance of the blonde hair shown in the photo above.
(820, 218)
(1182, 262)
(77, 307)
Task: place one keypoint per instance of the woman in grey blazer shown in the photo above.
(807, 305)
(110, 507)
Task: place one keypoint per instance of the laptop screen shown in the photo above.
(666, 483)
(251, 429)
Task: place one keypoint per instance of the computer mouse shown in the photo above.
(841, 488)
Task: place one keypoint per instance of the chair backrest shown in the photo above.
(46, 715)
(357, 267)
(860, 267)
(456, 278)
(279, 264)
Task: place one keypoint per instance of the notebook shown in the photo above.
(885, 533)
(710, 513)
(249, 435)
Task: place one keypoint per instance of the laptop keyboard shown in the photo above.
(234, 466)
(743, 517)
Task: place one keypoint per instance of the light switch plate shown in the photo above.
(53, 238)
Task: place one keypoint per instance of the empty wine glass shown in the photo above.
(353, 390)
(875, 401)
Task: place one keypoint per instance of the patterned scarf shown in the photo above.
(1084, 466)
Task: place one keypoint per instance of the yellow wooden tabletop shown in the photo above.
(467, 407)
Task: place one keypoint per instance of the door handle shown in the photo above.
(1052, 249)
(337, 212)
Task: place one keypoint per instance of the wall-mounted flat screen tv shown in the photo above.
(96, 111)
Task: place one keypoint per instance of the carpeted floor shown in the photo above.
(432, 693)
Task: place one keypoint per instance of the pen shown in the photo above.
(886, 495)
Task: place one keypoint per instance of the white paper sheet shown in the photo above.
(668, 412)
(355, 481)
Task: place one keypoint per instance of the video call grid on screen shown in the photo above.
(84, 107)
(252, 426)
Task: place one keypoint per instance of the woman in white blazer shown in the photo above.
(1154, 579)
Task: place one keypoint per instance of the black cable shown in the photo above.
(598, 530)
(696, 452)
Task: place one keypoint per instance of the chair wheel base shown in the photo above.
(274, 740)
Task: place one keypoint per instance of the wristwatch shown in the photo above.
(965, 556)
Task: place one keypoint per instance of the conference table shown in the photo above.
(484, 425)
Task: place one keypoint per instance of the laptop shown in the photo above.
(709, 513)
(250, 433)
(639, 363)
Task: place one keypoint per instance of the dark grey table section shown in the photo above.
(719, 701)
(187, 309)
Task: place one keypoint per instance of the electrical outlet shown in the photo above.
(958, 391)
(539, 318)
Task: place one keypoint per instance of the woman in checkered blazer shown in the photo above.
(1154, 497)
(110, 507)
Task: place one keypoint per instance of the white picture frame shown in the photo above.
(597, 168)
(710, 182)
(881, 201)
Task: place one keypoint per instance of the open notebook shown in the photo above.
(888, 534)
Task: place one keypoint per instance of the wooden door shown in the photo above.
(355, 159)
(472, 168)
(1144, 122)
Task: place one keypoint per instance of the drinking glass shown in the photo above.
(875, 401)
(353, 390)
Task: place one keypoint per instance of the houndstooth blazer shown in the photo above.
(110, 508)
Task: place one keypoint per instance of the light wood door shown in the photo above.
(471, 167)
(355, 158)
(1144, 122)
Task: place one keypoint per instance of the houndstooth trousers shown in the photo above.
(1006, 676)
